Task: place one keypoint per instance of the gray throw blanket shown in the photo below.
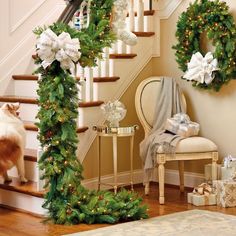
(169, 103)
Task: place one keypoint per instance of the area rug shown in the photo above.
(187, 223)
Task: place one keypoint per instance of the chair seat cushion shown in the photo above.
(194, 144)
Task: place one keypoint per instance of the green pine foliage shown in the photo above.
(213, 18)
(66, 200)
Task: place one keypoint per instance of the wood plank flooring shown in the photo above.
(14, 223)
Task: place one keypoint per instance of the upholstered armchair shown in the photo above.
(191, 148)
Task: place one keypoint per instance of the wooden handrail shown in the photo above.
(68, 13)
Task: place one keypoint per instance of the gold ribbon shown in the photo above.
(204, 190)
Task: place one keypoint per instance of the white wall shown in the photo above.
(17, 20)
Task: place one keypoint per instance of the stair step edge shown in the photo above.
(29, 188)
(32, 127)
(31, 100)
(95, 79)
(122, 56)
(143, 34)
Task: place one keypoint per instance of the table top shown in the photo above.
(115, 131)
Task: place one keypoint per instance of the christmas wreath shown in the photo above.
(215, 68)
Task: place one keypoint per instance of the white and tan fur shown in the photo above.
(12, 141)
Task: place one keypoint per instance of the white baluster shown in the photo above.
(89, 85)
(81, 14)
(123, 47)
(106, 60)
(88, 13)
(114, 48)
(131, 15)
(40, 182)
(82, 87)
(140, 16)
(99, 68)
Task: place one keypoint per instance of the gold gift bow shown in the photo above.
(205, 190)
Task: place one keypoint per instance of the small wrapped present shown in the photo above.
(225, 192)
(227, 172)
(229, 161)
(208, 172)
(202, 195)
(180, 124)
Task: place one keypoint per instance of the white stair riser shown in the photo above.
(30, 171)
(89, 115)
(22, 201)
(31, 140)
(103, 91)
(28, 112)
(26, 88)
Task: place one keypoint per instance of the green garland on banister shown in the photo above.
(213, 18)
(66, 200)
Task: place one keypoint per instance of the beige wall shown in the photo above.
(90, 162)
(215, 111)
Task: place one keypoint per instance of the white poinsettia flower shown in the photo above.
(201, 68)
(62, 48)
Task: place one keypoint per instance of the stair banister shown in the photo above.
(68, 13)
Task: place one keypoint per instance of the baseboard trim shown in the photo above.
(171, 177)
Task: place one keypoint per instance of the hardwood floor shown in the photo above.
(14, 223)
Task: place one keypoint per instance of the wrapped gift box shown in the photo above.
(181, 125)
(230, 161)
(227, 172)
(202, 200)
(208, 172)
(225, 192)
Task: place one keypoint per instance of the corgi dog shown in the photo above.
(12, 141)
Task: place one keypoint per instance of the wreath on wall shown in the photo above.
(214, 69)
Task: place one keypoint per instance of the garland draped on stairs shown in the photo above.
(66, 200)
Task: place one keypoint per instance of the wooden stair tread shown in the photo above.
(146, 13)
(143, 34)
(25, 77)
(29, 188)
(29, 125)
(30, 155)
(122, 55)
(9, 98)
(113, 55)
(106, 79)
(95, 79)
(33, 100)
(90, 104)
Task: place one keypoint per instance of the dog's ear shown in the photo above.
(6, 106)
(15, 106)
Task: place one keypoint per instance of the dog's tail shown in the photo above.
(10, 152)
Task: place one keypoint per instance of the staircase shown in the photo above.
(106, 82)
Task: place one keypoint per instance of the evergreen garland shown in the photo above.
(66, 200)
(213, 18)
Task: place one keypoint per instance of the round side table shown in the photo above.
(115, 133)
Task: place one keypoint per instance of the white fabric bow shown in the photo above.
(201, 68)
(62, 48)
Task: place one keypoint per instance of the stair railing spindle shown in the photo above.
(140, 16)
(131, 15)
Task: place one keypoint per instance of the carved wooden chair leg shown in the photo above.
(161, 174)
(146, 189)
(181, 176)
(214, 165)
